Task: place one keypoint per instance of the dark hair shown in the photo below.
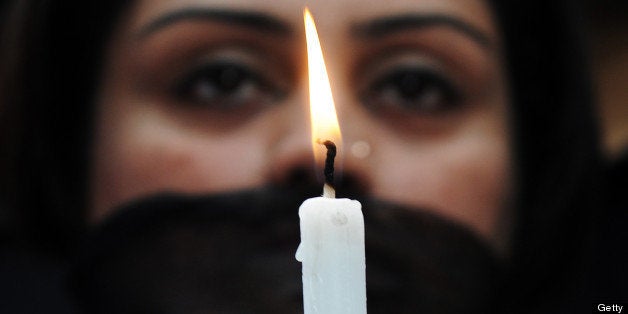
(50, 63)
(52, 68)
(556, 147)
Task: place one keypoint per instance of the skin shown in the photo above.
(452, 159)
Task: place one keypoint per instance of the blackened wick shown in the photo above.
(329, 162)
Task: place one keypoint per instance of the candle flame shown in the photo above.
(322, 110)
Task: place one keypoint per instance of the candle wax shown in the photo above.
(332, 254)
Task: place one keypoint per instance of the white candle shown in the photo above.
(332, 230)
(332, 253)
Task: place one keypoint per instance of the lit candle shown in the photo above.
(332, 230)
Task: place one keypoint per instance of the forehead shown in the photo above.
(332, 15)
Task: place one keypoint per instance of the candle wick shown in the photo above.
(328, 188)
(329, 191)
(329, 162)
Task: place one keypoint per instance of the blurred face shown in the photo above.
(208, 96)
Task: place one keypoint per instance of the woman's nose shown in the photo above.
(293, 162)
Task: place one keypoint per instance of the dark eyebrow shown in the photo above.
(249, 19)
(388, 25)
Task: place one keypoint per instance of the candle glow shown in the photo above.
(322, 110)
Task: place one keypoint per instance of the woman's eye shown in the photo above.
(413, 89)
(225, 86)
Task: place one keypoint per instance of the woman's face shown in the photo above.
(207, 96)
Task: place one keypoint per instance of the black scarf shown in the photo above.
(235, 254)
